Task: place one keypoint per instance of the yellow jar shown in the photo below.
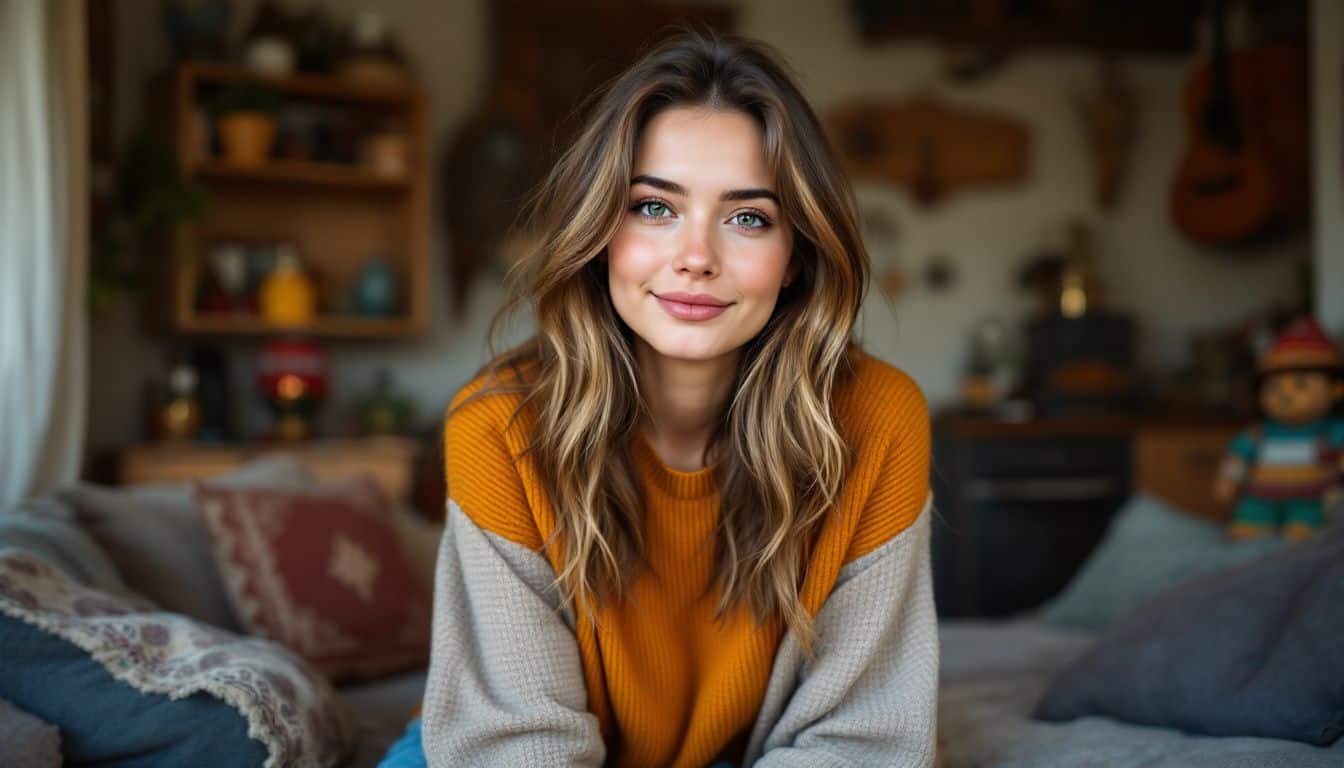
(287, 295)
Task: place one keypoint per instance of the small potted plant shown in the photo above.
(245, 118)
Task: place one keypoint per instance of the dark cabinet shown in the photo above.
(1020, 507)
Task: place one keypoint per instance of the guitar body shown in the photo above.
(1227, 189)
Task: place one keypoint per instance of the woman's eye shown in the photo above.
(652, 209)
(749, 220)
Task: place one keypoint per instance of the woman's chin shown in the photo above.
(694, 352)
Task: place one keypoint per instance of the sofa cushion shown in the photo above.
(1250, 651)
(382, 708)
(139, 689)
(323, 571)
(28, 742)
(1149, 548)
(46, 527)
(158, 542)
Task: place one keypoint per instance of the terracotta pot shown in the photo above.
(246, 137)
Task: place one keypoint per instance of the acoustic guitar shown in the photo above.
(1227, 188)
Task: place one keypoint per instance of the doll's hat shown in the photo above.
(1301, 345)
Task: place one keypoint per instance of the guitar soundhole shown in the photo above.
(1215, 186)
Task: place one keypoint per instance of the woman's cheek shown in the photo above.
(761, 270)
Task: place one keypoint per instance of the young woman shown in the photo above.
(688, 520)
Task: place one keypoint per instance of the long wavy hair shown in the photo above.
(781, 458)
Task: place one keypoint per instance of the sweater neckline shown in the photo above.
(673, 482)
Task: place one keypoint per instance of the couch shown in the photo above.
(148, 546)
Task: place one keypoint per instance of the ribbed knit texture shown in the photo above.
(667, 683)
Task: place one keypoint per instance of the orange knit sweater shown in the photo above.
(668, 684)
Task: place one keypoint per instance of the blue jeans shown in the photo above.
(408, 752)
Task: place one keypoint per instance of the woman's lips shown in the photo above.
(684, 311)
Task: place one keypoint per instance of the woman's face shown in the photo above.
(699, 259)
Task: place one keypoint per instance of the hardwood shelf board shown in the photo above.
(329, 87)
(327, 326)
(302, 173)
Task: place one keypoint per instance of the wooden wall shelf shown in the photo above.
(330, 326)
(336, 215)
(325, 87)
(328, 175)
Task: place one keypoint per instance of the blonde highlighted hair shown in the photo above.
(781, 457)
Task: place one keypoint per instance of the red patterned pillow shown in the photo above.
(322, 571)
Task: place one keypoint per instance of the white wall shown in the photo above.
(1327, 24)
(1173, 287)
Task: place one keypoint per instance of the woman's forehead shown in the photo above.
(704, 150)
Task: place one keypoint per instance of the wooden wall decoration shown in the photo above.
(547, 57)
(930, 147)
(1108, 114)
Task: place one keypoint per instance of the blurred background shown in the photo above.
(1085, 219)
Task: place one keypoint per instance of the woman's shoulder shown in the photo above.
(885, 419)
(486, 422)
(489, 400)
(484, 434)
(878, 397)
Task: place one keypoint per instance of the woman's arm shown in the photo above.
(505, 680)
(870, 697)
(505, 683)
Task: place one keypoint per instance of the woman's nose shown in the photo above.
(697, 253)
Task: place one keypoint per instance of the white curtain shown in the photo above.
(44, 242)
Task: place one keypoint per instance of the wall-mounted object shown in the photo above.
(1109, 116)
(932, 148)
(1147, 26)
(940, 273)
(310, 192)
(1245, 174)
(881, 234)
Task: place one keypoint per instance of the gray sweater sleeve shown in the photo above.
(869, 698)
(505, 680)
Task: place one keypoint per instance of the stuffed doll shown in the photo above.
(1285, 465)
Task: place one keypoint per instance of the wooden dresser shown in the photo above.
(390, 461)
(1021, 505)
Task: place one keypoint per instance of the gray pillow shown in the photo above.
(1149, 548)
(1251, 651)
(46, 527)
(160, 546)
(420, 540)
(27, 741)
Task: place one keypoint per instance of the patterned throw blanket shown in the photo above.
(289, 708)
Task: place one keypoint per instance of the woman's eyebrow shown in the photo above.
(677, 189)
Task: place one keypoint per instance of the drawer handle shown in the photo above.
(1045, 489)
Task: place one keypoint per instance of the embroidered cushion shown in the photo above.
(323, 571)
